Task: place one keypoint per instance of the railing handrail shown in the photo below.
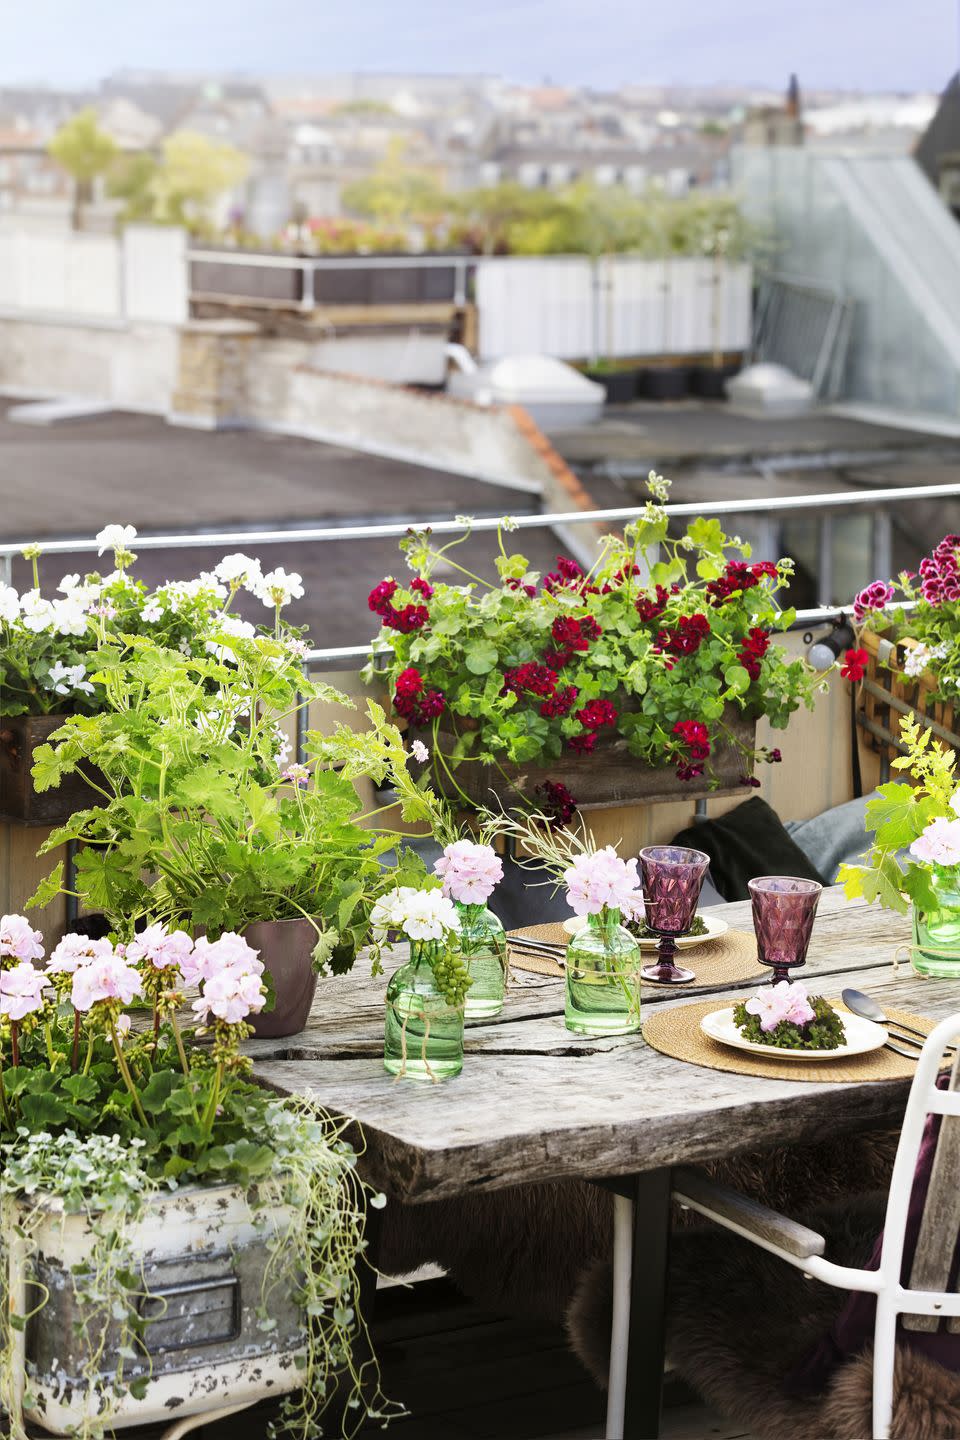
(395, 529)
(338, 262)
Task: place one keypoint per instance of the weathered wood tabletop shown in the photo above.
(535, 1102)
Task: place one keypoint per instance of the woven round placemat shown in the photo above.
(719, 962)
(676, 1031)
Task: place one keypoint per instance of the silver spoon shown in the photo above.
(867, 1008)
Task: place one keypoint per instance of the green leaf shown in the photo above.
(48, 889)
(737, 678)
(481, 658)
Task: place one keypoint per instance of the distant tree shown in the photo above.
(84, 151)
(394, 191)
(192, 173)
(364, 107)
(132, 180)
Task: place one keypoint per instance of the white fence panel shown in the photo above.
(576, 308)
(155, 274)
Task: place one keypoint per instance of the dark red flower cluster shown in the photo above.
(558, 705)
(738, 577)
(597, 713)
(423, 587)
(530, 590)
(531, 678)
(684, 638)
(940, 573)
(751, 781)
(649, 609)
(567, 573)
(584, 743)
(753, 647)
(413, 702)
(571, 637)
(558, 804)
(695, 738)
(411, 617)
(627, 572)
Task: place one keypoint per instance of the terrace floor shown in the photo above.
(468, 1375)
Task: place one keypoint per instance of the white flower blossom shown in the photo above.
(278, 588)
(69, 618)
(68, 679)
(36, 612)
(420, 752)
(419, 914)
(152, 611)
(116, 537)
(9, 603)
(230, 625)
(239, 569)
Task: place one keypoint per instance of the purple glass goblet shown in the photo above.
(784, 909)
(672, 879)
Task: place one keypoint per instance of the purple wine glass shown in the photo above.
(672, 879)
(784, 909)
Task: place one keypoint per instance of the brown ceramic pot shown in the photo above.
(286, 949)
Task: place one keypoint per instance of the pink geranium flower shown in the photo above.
(76, 950)
(159, 948)
(230, 995)
(939, 844)
(783, 1001)
(21, 990)
(210, 957)
(108, 978)
(470, 872)
(601, 880)
(18, 939)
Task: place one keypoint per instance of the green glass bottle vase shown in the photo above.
(936, 933)
(483, 944)
(423, 1037)
(603, 978)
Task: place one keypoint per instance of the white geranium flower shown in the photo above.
(239, 569)
(36, 613)
(420, 752)
(418, 914)
(69, 618)
(279, 588)
(230, 625)
(152, 611)
(918, 658)
(9, 604)
(68, 679)
(69, 583)
(116, 537)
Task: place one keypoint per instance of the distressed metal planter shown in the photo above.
(203, 1255)
(286, 949)
(20, 736)
(608, 776)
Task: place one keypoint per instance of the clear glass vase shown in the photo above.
(603, 978)
(483, 944)
(423, 1037)
(936, 933)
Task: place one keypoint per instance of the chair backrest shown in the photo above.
(940, 1221)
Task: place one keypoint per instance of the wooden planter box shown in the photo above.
(607, 777)
(20, 735)
(205, 1256)
(886, 694)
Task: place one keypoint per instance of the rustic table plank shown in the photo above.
(535, 1102)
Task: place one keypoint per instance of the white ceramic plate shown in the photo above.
(715, 928)
(862, 1037)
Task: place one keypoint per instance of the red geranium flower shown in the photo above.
(411, 617)
(854, 665)
(558, 804)
(409, 682)
(753, 647)
(381, 595)
(583, 744)
(597, 713)
(649, 609)
(559, 704)
(423, 587)
(531, 677)
(684, 638)
(695, 736)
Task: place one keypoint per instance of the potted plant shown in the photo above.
(49, 650)
(206, 825)
(174, 1237)
(915, 857)
(641, 678)
(423, 1031)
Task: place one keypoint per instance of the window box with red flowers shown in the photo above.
(907, 655)
(641, 679)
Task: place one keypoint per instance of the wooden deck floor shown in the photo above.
(468, 1375)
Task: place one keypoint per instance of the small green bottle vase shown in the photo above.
(936, 933)
(603, 978)
(423, 1037)
(483, 944)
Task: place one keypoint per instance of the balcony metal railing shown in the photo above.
(878, 500)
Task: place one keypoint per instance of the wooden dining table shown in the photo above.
(535, 1102)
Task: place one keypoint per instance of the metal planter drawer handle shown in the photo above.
(156, 1310)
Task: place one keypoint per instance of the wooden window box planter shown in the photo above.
(887, 694)
(20, 736)
(608, 776)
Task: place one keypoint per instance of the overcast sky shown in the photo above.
(868, 44)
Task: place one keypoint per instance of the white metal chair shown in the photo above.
(926, 1298)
